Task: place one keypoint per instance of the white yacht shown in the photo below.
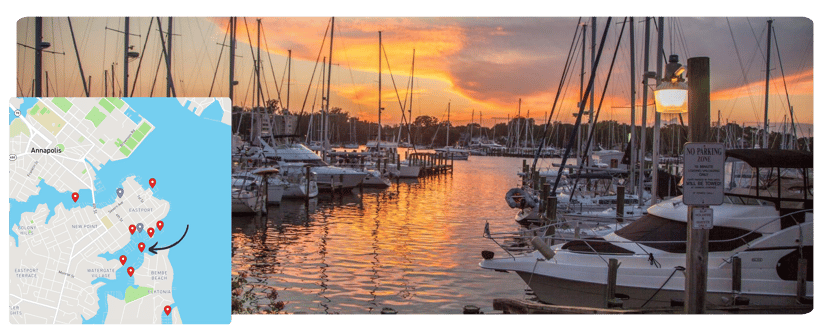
(302, 184)
(767, 222)
(389, 150)
(251, 180)
(450, 153)
(328, 177)
(245, 202)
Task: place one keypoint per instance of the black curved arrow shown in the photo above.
(153, 248)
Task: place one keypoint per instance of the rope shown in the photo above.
(664, 284)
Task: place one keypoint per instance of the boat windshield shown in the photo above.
(670, 236)
(787, 183)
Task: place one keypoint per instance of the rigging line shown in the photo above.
(311, 80)
(784, 79)
(403, 111)
(348, 64)
(164, 51)
(282, 79)
(743, 70)
(222, 50)
(273, 75)
(599, 109)
(138, 69)
(582, 104)
(558, 90)
(155, 78)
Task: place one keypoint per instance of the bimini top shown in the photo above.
(773, 158)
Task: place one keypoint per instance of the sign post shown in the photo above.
(703, 178)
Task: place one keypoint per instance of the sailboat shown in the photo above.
(448, 152)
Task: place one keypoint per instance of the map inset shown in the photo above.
(119, 211)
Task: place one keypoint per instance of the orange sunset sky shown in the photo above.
(480, 65)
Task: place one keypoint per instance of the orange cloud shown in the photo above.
(798, 84)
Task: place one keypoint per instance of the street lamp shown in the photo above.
(672, 95)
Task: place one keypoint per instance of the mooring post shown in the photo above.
(736, 275)
(697, 247)
(801, 281)
(543, 203)
(620, 203)
(611, 287)
(307, 183)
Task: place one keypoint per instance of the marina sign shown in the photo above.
(703, 174)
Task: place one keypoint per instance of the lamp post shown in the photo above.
(670, 97)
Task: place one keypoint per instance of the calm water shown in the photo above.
(413, 247)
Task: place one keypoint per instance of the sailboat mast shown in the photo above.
(38, 57)
(380, 59)
(591, 118)
(126, 55)
(328, 94)
(655, 153)
(288, 94)
(641, 174)
(632, 139)
(766, 94)
(232, 59)
(169, 55)
(448, 126)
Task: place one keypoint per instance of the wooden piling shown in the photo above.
(611, 285)
(620, 202)
(736, 275)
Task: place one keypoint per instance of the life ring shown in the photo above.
(519, 198)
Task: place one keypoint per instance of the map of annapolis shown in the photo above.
(110, 201)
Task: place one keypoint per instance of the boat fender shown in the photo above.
(543, 248)
(519, 198)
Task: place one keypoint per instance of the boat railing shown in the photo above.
(549, 234)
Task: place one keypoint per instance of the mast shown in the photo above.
(380, 59)
(591, 118)
(655, 152)
(766, 94)
(78, 57)
(581, 91)
(169, 55)
(126, 55)
(232, 59)
(448, 127)
(641, 174)
(328, 94)
(288, 94)
(38, 57)
(632, 139)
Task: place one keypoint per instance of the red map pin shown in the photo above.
(132, 228)
(150, 231)
(167, 310)
(130, 271)
(123, 259)
(141, 247)
(75, 196)
(152, 182)
(160, 225)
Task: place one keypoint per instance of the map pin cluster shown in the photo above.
(130, 271)
(139, 227)
(167, 310)
(123, 259)
(159, 225)
(141, 247)
(152, 182)
(75, 196)
(150, 232)
(119, 191)
(132, 229)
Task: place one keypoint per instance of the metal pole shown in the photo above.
(38, 57)
(126, 56)
(328, 94)
(591, 118)
(232, 59)
(766, 94)
(288, 94)
(655, 147)
(169, 55)
(632, 139)
(78, 57)
(582, 90)
(380, 58)
(697, 247)
(642, 151)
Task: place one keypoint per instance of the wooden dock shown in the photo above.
(430, 163)
(520, 306)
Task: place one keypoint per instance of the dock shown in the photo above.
(521, 306)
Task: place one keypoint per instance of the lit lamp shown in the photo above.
(672, 95)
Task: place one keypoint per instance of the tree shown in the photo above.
(425, 121)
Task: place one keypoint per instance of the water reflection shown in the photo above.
(413, 247)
